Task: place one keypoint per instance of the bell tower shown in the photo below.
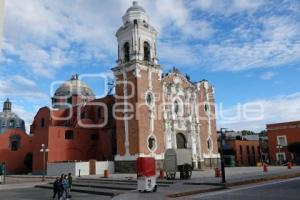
(138, 88)
(136, 38)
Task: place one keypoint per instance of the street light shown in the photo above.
(44, 150)
(223, 131)
(279, 147)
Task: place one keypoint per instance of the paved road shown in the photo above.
(38, 194)
(277, 190)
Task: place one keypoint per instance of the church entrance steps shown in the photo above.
(161, 183)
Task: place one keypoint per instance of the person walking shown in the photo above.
(56, 188)
(65, 186)
(70, 180)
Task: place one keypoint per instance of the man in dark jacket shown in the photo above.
(56, 188)
(70, 180)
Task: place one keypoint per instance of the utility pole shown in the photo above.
(223, 131)
(44, 150)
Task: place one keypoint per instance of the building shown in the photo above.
(165, 110)
(150, 112)
(247, 152)
(1, 21)
(241, 150)
(280, 135)
(15, 143)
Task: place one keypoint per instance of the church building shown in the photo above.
(149, 112)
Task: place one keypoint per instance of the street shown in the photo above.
(38, 194)
(277, 190)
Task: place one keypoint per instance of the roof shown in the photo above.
(74, 86)
(135, 7)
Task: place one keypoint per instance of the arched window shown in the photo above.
(12, 123)
(42, 122)
(146, 51)
(151, 143)
(181, 141)
(126, 52)
(14, 142)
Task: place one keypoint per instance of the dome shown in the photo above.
(136, 7)
(74, 87)
(10, 120)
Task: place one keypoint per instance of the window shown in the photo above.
(126, 52)
(253, 150)
(82, 115)
(69, 100)
(281, 140)
(280, 157)
(42, 122)
(149, 98)
(146, 51)
(94, 137)
(14, 142)
(177, 107)
(151, 143)
(12, 123)
(241, 149)
(206, 107)
(209, 143)
(99, 110)
(69, 135)
(181, 141)
(248, 150)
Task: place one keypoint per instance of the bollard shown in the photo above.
(265, 167)
(289, 165)
(217, 172)
(79, 173)
(161, 174)
(106, 174)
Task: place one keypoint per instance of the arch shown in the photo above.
(126, 50)
(147, 51)
(181, 141)
(12, 123)
(14, 142)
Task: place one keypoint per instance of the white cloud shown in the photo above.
(20, 87)
(274, 110)
(229, 7)
(267, 75)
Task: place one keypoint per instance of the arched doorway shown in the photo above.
(181, 141)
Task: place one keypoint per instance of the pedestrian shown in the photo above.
(56, 188)
(61, 190)
(70, 180)
(65, 186)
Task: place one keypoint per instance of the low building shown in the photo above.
(280, 136)
(15, 143)
(247, 152)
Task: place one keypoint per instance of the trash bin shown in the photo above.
(146, 174)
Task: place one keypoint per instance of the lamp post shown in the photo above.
(44, 150)
(223, 131)
(279, 147)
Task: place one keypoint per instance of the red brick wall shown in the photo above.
(15, 159)
(243, 157)
(291, 130)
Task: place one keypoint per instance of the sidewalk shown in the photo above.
(20, 185)
(204, 181)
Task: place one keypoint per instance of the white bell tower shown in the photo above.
(136, 37)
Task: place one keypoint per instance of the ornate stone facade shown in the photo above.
(160, 111)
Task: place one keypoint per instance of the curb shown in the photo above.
(263, 179)
(226, 185)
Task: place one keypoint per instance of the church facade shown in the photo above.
(149, 112)
(160, 111)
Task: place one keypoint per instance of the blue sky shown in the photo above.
(248, 49)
